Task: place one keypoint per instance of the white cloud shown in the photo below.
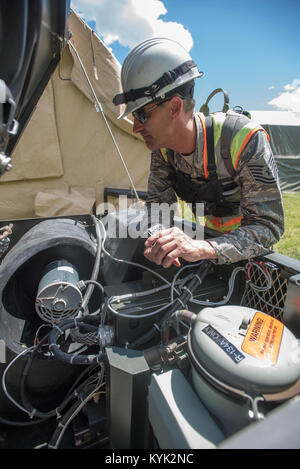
(293, 85)
(289, 100)
(131, 21)
(271, 87)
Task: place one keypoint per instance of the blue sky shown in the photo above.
(251, 49)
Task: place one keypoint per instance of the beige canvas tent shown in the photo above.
(66, 156)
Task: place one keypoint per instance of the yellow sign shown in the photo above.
(263, 338)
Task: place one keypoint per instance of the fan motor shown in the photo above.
(58, 295)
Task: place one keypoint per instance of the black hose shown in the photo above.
(71, 395)
(27, 404)
(72, 358)
(41, 416)
(14, 423)
(179, 303)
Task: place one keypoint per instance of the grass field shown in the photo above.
(290, 241)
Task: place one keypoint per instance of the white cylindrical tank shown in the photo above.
(239, 355)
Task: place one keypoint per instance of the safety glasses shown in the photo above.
(142, 114)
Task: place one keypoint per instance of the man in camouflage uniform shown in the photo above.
(177, 137)
(260, 204)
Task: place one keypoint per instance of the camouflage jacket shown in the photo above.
(261, 221)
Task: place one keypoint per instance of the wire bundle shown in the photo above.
(82, 390)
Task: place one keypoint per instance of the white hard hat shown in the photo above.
(151, 70)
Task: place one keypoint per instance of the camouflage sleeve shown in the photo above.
(261, 205)
(161, 198)
(160, 187)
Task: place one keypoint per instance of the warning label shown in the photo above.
(263, 338)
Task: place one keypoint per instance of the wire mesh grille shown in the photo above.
(52, 316)
(270, 301)
(88, 338)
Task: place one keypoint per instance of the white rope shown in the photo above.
(100, 109)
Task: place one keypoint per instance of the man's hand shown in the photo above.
(166, 246)
(5, 231)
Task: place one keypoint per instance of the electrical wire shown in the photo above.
(27, 407)
(95, 282)
(56, 412)
(133, 296)
(267, 275)
(172, 286)
(202, 271)
(224, 301)
(88, 369)
(19, 406)
(229, 294)
(123, 261)
(177, 275)
(267, 303)
(258, 289)
(231, 282)
(36, 339)
(96, 266)
(139, 316)
(99, 286)
(75, 409)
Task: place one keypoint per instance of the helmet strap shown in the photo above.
(151, 91)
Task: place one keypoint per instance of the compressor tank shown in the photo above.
(239, 355)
